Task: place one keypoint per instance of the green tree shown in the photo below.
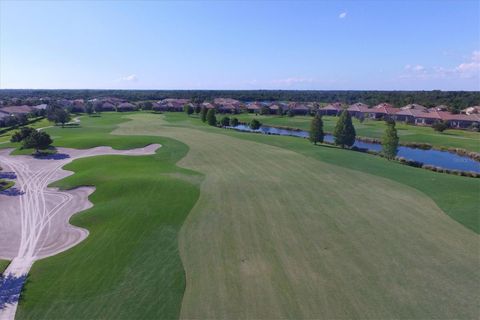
(203, 114)
(225, 121)
(38, 141)
(233, 122)
(22, 134)
(211, 119)
(390, 141)
(188, 109)
(290, 113)
(255, 124)
(147, 105)
(344, 133)
(90, 108)
(279, 111)
(198, 109)
(316, 130)
(264, 110)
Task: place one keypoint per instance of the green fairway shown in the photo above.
(375, 129)
(277, 233)
(129, 265)
(5, 137)
(456, 196)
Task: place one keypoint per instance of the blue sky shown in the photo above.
(379, 45)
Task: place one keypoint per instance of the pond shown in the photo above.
(444, 159)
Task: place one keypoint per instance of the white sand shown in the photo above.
(35, 225)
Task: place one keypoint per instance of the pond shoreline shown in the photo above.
(295, 132)
(417, 145)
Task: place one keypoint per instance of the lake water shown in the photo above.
(444, 159)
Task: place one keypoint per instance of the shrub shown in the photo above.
(440, 126)
(225, 122)
(255, 124)
(233, 122)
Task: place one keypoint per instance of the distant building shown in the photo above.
(126, 106)
(358, 109)
(332, 109)
(107, 106)
(254, 107)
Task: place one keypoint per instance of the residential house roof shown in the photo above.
(471, 110)
(362, 107)
(17, 109)
(414, 106)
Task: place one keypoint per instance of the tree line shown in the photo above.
(455, 99)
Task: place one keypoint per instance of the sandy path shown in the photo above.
(34, 221)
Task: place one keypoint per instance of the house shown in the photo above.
(107, 106)
(358, 109)
(254, 107)
(78, 105)
(208, 105)
(460, 121)
(227, 101)
(332, 109)
(275, 108)
(126, 106)
(427, 118)
(226, 108)
(414, 106)
(17, 110)
(381, 111)
(172, 104)
(407, 115)
(471, 110)
(42, 106)
(299, 108)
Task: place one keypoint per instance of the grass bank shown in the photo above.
(375, 129)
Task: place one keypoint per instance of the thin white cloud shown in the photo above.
(342, 15)
(467, 69)
(292, 81)
(129, 78)
(416, 68)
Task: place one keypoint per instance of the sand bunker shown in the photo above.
(34, 218)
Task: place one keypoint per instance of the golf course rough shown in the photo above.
(276, 234)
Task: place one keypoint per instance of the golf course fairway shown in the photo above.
(276, 234)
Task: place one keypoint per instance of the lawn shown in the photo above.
(3, 265)
(129, 265)
(284, 232)
(41, 123)
(374, 129)
(456, 196)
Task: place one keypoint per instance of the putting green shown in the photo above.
(276, 234)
